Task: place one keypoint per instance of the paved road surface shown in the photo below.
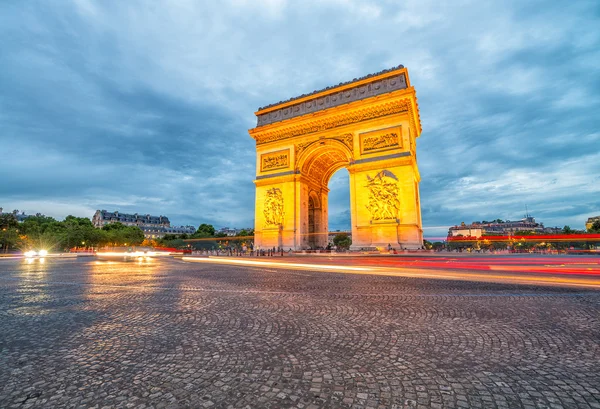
(82, 333)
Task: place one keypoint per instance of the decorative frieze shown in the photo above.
(331, 122)
(347, 139)
(343, 96)
(300, 147)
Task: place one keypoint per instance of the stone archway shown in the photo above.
(317, 162)
(368, 126)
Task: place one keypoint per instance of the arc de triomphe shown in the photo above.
(369, 126)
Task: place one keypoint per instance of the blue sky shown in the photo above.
(144, 106)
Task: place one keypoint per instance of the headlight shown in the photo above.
(43, 253)
(30, 253)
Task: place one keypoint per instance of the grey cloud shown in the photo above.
(120, 105)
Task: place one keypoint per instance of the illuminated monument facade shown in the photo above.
(369, 126)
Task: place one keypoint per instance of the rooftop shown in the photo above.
(341, 84)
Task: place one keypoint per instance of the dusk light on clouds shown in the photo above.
(145, 107)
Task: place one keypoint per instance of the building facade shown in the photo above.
(501, 228)
(154, 227)
(591, 221)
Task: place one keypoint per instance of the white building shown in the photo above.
(154, 227)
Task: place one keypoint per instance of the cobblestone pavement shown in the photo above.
(169, 334)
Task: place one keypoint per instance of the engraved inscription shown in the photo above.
(275, 160)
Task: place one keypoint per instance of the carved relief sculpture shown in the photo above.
(383, 196)
(381, 140)
(300, 148)
(346, 139)
(273, 210)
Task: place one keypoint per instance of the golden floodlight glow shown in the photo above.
(370, 127)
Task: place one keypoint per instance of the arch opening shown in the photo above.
(317, 165)
(323, 159)
(339, 201)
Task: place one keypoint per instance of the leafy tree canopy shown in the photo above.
(342, 241)
(114, 226)
(8, 220)
(205, 230)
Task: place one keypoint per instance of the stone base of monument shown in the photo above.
(271, 238)
(383, 235)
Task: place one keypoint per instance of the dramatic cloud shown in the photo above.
(144, 107)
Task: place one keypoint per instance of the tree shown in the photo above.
(8, 221)
(245, 238)
(524, 233)
(568, 230)
(121, 235)
(595, 227)
(245, 233)
(438, 245)
(205, 230)
(9, 233)
(342, 241)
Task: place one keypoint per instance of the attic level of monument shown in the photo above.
(368, 126)
(358, 89)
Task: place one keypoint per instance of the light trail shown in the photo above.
(523, 276)
(326, 267)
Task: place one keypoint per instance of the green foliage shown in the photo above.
(245, 233)
(40, 232)
(8, 221)
(120, 235)
(437, 245)
(9, 239)
(342, 241)
(205, 230)
(595, 227)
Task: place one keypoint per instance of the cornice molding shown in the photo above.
(326, 123)
(336, 96)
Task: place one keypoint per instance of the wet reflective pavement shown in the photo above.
(167, 334)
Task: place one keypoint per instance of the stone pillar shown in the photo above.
(384, 206)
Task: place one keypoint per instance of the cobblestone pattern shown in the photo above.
(167, 334)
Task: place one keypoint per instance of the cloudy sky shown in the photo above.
(144, 106)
